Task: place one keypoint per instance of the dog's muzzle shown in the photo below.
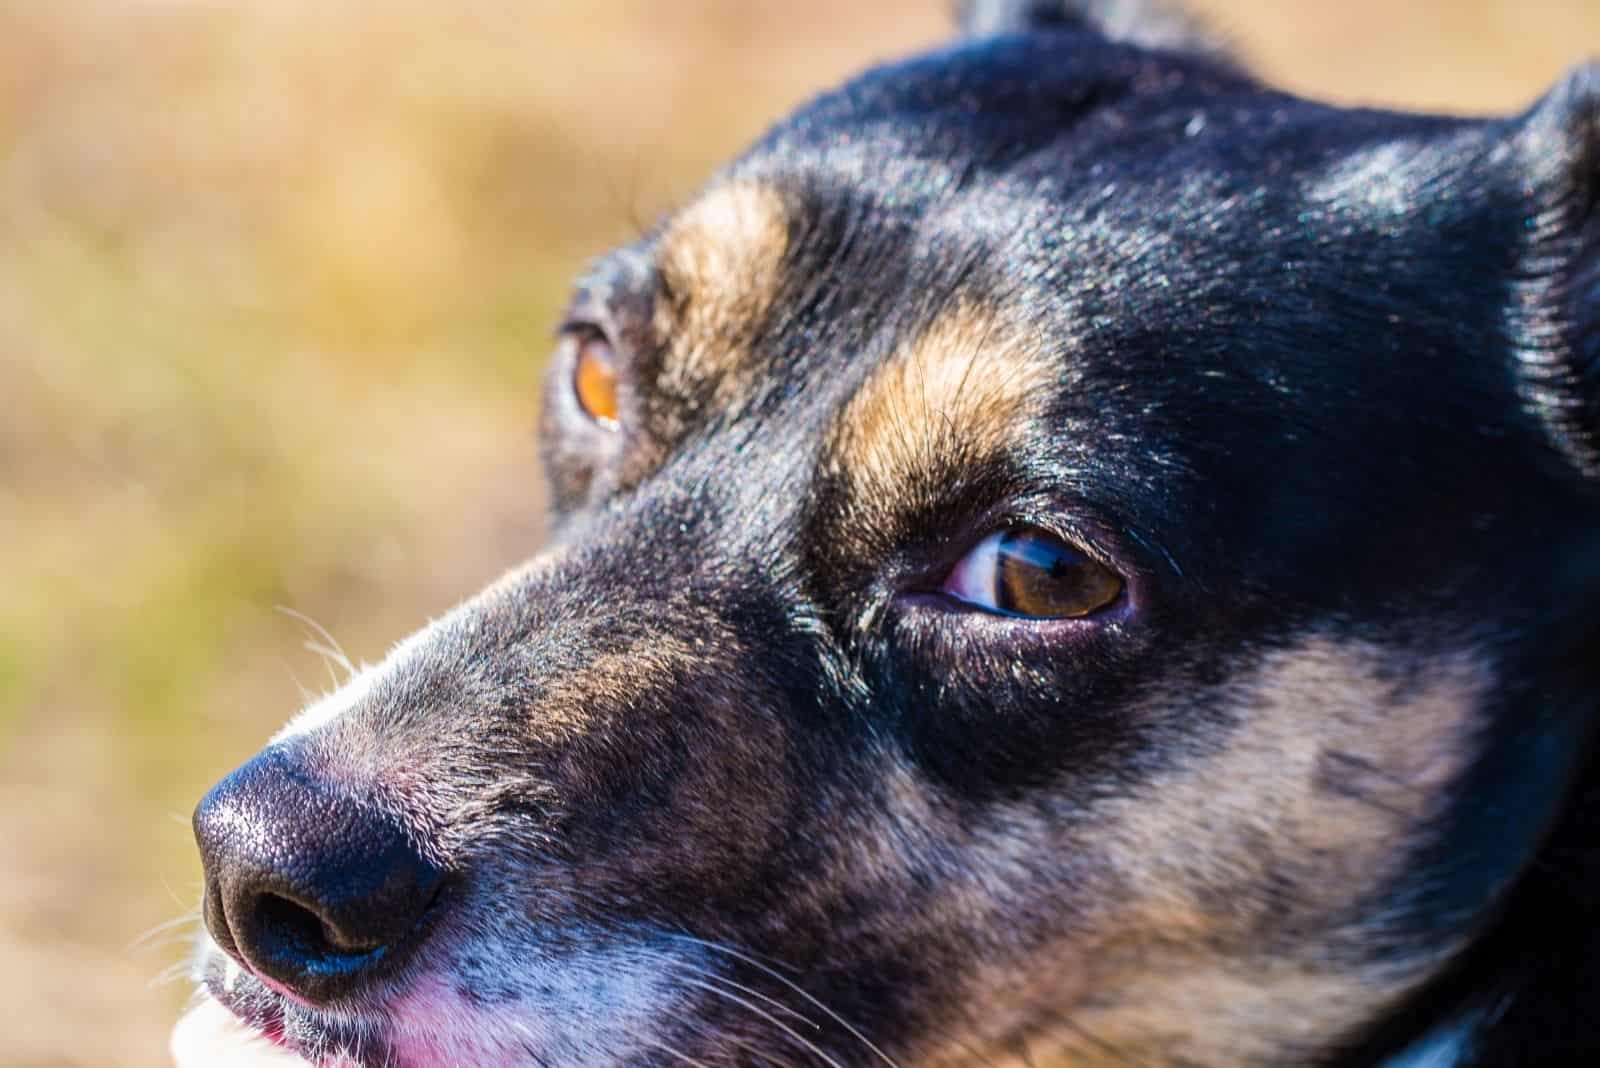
(316, 891)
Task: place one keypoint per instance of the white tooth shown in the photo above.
(230, 976)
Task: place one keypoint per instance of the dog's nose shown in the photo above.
(306, 885)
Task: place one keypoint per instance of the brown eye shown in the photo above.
(1029, 573)
(594, 376)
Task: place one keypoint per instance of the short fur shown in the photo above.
(723, 777)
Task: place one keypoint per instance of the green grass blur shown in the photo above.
(276, 284)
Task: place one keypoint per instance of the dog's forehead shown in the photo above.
(1148, 223)
(1067, 186)
(1119, 269)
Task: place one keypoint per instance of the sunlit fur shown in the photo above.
(721, 778)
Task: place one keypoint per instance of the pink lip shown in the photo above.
(269, 1025)
(272, 1031)
(266, 1020)
(279, 989)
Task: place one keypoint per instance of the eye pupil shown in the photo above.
(594, 379)
(1029, 573)
(1042, 577)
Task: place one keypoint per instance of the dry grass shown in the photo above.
(275, 285)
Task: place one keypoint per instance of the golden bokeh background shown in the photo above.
(276, 281)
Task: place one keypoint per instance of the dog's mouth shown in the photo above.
(241, 1021)
(613, 1002)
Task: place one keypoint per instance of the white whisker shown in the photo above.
(190, 918)
(786, 981)
(328, 646)
(669, 1051)
(765, 1015)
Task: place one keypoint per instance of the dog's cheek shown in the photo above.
(1247, 896)
(1224, 905)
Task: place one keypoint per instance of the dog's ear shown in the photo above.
(1558, 151)
(1147, 23)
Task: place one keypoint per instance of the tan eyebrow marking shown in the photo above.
(721, 265)
(963, 389)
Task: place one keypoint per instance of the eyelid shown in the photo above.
(1080, 537)
(581, 326)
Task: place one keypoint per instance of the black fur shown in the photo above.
(1313, 379)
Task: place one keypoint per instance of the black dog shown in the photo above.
(1067, 556)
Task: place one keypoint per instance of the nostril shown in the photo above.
(281, 920)
(300, 931)
(291, 941)
(308, 886)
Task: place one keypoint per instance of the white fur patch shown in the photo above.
(209, 1036)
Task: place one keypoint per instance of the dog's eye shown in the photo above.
(594, 374)
(1029, 573)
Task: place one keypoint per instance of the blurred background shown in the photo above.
(276, 283)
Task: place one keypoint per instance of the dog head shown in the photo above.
(1063, 553)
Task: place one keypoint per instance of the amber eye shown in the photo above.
(1029, 573)
(594, 375)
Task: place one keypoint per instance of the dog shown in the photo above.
(1065, 555)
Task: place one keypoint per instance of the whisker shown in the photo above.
(328, 660)
(172, 973)
(190, 917)
(786, 981)
(757, 1051)
(715, 977)
(330, 645)
(671, 1052)
(765, 1015)
(306, 696)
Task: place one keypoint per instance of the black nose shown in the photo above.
(306, 885)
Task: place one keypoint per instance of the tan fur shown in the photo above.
(721, 265)
(1175, 951)
(963, 389)
(1307, 709)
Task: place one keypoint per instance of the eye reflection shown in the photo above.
(1032, 574)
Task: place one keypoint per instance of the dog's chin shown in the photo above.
(262, 1031)
(239, 1022)
(614, 999)
(209, 1036)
